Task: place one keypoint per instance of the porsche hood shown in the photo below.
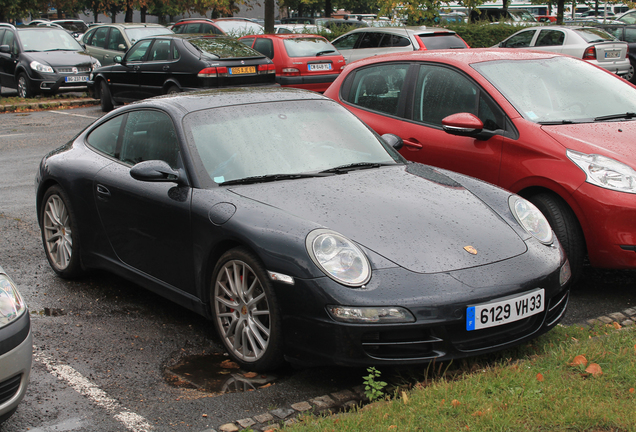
(414, 216)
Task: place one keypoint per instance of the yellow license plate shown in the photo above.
(242, 70)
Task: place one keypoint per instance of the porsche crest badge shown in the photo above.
(470, 250)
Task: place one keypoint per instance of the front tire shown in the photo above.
(24, 88)
(60, 235)
(246, 311)
(105, 99)
(566, 227)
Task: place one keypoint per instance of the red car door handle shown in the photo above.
(412, 145)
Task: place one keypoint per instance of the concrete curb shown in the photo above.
(37, 106)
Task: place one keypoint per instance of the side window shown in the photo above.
(378, 87)
(520, 40)
(370, 40)
(630, 18)
(99, 38)
(347, 42)
(192, 28)
(399, 41)
(441, 92)
(88, 36)
(630, 35)
(104, 137)
(248, 41)
(160, 50)
(265, 47)
(138, 51)
(116, 41)
(149, 135)
(209, 28)
(550, 38)
(9, 39)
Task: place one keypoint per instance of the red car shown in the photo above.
(551, 128)
(304, 61)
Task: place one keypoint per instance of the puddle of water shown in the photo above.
(215, 373)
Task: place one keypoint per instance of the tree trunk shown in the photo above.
(328, 8)
(143, 14)
(269, 16)
(560, 7)
(129, 14)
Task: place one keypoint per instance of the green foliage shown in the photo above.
(373, 389)
(482, 35)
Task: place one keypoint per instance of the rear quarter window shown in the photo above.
(442, 41)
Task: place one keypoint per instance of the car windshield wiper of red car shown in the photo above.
(627, 115)
(273, 177)
(324, 52)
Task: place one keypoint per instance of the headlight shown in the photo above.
(531, 218)
(338, 257)
(11, 304)
(37, 66)
(605, 172)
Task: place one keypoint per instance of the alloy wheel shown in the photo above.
(57, 232)
(242, 311)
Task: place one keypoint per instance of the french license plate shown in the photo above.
(319, 66)
(76, 78)
(242, 70)
(505, 311)
(612, 54)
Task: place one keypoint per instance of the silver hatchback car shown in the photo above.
(370, 41)
(16, 347)
(589, 43)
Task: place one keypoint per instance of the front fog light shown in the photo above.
(370, 315)
(565, 274)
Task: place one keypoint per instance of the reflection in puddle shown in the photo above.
(215, 373)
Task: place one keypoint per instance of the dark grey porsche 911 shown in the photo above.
(299, 232)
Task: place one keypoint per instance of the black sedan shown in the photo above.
(171, 64)
(299, 232)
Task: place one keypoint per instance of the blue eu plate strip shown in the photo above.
(470, 318)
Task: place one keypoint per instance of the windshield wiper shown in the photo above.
(557, 122)
(59, 49)
(627, 115)
(273, 177)
(355, 166)
(324, 52)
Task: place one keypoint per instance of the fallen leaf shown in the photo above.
(631, 390)
(579, 360)
(455, 403)
(616, 325)
(405, 398)
(540, 377)
(265, 385)
(594, 369)
(477, 414)
(250, 374)
(229, 364)
(392, 427)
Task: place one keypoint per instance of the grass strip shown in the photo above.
(571, 379)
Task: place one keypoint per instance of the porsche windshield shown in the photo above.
(275, 138)
(560, 89)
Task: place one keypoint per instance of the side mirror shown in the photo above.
(6, 49)
(155, 171)
(118, 60)
(121, 47)
(393, 140)
(465, 124)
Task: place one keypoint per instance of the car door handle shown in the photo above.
(166, 68)
(136, 68)
(102, 192)
(412, 144)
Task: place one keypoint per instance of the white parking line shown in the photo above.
(132, 421)
(71, 114)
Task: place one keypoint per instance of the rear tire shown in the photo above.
(173, 89)
(566, 227)
(60, 236)
(105, 98)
